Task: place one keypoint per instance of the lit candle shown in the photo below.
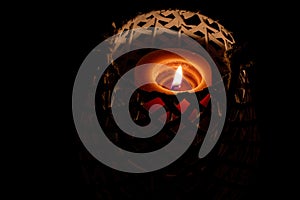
(170, 73)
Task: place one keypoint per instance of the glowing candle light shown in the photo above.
(176, 84)
(170, 73)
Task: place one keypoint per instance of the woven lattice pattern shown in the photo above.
(198, 26)
(228, 170)
(209, 33)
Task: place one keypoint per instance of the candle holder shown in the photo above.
(230, 164)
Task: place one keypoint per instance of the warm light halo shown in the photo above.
(163, 64)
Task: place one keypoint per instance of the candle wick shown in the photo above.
(175, 87)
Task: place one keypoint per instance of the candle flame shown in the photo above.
(177, 78)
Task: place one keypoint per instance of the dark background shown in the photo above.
(65, 34)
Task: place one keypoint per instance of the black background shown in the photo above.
(63, 35)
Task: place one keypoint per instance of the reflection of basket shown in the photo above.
(227, 170)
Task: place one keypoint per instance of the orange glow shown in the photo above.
(170, 73)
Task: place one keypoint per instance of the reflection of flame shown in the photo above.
(177, 79)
